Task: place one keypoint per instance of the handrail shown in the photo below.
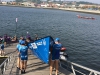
(4, 65)
(72, 65)
(3, 62)
(85, 68)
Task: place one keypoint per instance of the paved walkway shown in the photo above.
(34, 65)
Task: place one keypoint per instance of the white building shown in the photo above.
(44, 5)
(4, 2)
(28, 4)
(81, 5)
(57, 4)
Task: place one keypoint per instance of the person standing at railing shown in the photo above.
(55, 54)
(2, 48)
(5, 39)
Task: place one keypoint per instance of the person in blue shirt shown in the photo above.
(17, 49)
(55, 54)
(28, 44)
(21, 38)
(2, 48)
(23, 51)
(18, 59)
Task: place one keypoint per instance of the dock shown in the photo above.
(34, 65)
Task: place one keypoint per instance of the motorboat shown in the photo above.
(84, 17)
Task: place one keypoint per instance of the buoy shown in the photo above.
(63, 48)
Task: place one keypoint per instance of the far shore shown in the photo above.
(66, 9)
(82, 10)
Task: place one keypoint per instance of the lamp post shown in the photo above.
(16, 27)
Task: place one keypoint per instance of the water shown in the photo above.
(81, 37)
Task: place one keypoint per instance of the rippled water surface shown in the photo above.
(81, 37)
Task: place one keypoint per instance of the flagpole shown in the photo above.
(16, 27)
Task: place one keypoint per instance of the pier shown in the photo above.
(34, 65)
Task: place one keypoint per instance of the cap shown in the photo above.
(57, 39)
(22, 42)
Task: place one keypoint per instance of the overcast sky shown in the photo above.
(93, 1)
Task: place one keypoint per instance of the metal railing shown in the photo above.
(4, 65)
(77, 69)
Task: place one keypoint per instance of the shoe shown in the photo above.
(22, 72)
(18, 68)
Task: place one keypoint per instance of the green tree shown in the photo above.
(19, 0)
(36, 1)
(50, 0)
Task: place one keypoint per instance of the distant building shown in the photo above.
(28, 4)
(81, 5)
(44, 5)
(57, 4)
(73, 6)
(4, 3)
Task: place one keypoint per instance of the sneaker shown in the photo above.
(22, 72)
(18, 68)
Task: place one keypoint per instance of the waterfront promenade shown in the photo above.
(34, 65)
(65, 9)
(81, 10)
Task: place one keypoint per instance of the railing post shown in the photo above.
(0, 71)
(95, 74)
(90, 73)
(4, 67)
(73, 69)
(8, 61)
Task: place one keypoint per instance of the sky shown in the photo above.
(93, 1)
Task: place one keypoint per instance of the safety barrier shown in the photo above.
(4, 65)
(77, 69)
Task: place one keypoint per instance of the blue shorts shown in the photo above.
(24, 57)
(2, 47)
(55, 57)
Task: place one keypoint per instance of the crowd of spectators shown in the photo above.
(7, 39)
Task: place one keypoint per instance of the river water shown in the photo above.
(81, 37)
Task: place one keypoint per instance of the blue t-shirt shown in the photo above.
(29, 46)
(18, 46)
(23, 50)
(56, 50)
